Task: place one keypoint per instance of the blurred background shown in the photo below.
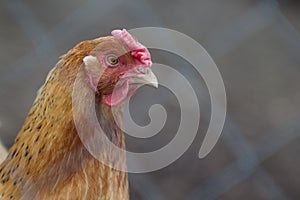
(256, 46)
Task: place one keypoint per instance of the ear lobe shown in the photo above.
(93, 71)
(90, 60)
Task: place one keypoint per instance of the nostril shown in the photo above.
(141, 70)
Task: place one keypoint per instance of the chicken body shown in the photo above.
(48, 159)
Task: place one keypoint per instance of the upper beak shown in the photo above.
(143, 76)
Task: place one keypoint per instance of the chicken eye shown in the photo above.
(112, 60)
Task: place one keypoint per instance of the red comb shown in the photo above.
(137, 50)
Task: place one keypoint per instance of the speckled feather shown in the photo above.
(48, 160)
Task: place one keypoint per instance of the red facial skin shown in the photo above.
(114, 81)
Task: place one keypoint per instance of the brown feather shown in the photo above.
(48, 159)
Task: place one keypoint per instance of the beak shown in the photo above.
(143, 76)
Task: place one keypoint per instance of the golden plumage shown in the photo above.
(48, 160)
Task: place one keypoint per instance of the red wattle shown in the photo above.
(118, 95)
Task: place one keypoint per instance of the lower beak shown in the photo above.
(147, 77)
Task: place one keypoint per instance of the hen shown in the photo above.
(49, 160)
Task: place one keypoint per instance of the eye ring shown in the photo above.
(112, 60)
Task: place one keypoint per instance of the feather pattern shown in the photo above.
(48, 160)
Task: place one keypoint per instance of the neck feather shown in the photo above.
(49, 161)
